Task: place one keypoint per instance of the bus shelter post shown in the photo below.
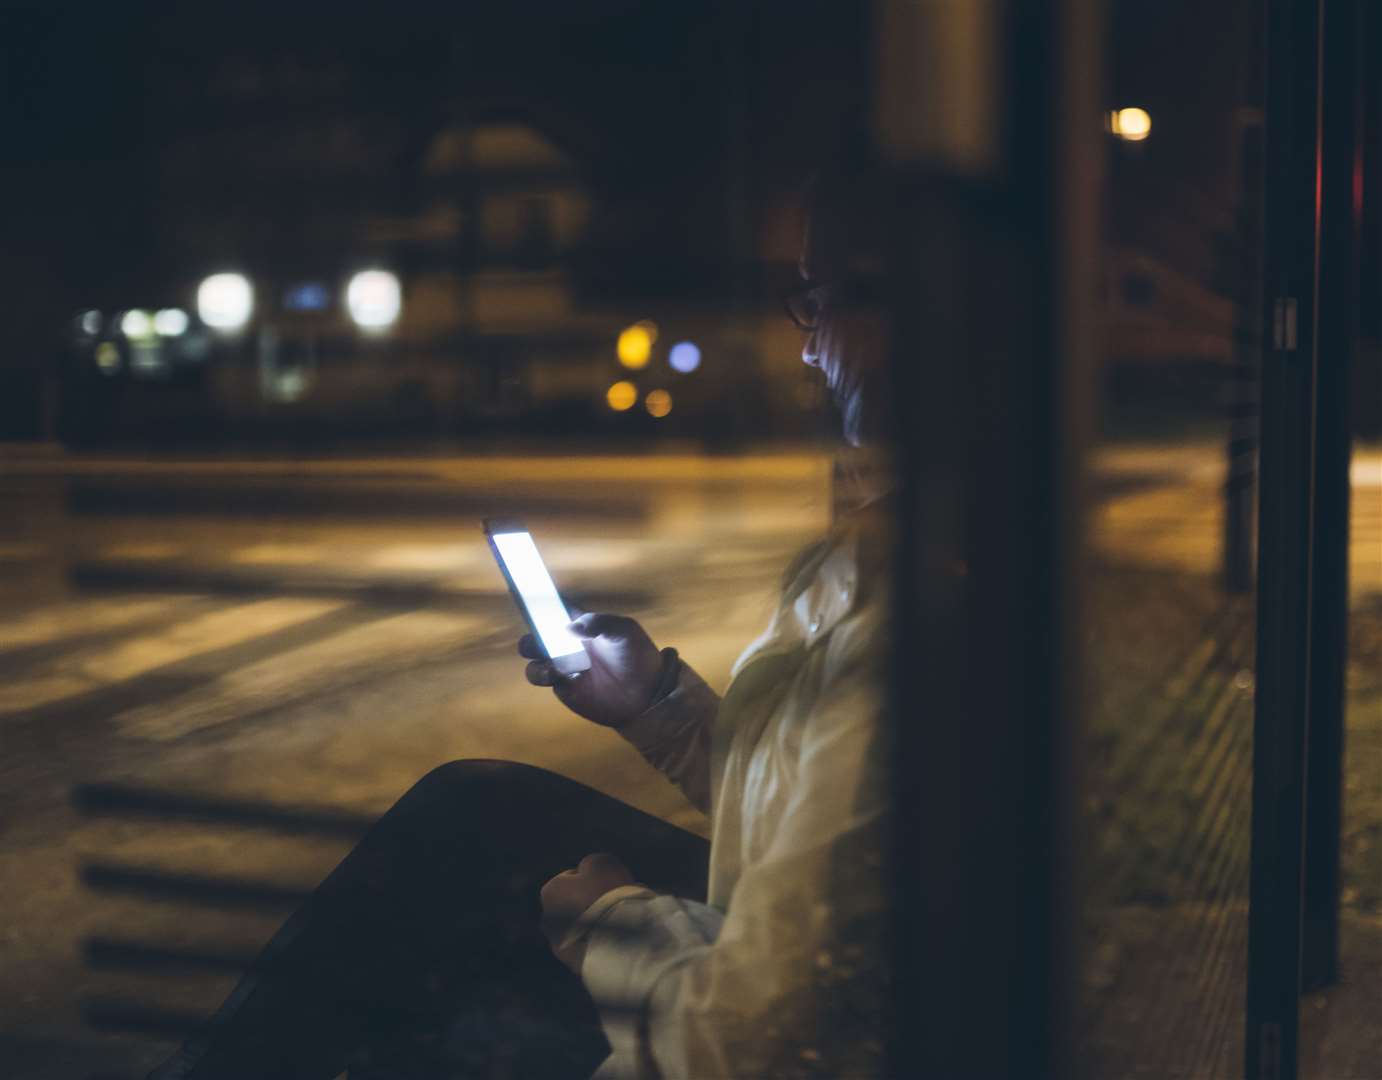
(988, 116)
(1344, 38)
(1281, 710)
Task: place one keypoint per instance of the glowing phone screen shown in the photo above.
(539, 592)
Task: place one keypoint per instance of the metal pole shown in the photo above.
(1341, 151)
(1284, 539)
(1244, 380)
(1240, 487)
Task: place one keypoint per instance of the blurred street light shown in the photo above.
(374, 299)
(308, 296)
(171, 322)
(1131, 125)
(635, 346)
(658, 403)
(685, 357)
(107, 358)
(621, 396)
(225, 301)
(136, 324)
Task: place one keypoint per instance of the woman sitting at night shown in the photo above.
(436, 950)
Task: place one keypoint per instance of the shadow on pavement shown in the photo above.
(119, 496)
(115, 1014)
(104, 799)
(369, 592)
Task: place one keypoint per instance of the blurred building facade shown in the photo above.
(517, 271)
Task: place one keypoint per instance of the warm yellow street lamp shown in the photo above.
(658, 403)
(635, 346)
(621, 396)
(1131, 125)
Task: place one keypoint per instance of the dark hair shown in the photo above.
(847, 212)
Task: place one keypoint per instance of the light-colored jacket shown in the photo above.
(780, 973)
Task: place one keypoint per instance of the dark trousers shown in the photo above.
(421, 955)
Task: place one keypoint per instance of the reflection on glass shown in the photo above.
(1172, 593)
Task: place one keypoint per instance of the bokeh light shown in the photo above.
(108, 358)
(685, 356)
(635, 346)
(171, 322)
(90, 322)
(137, 324)
(308, 296)
(658, 403)
(1133, 125)
(374, 299)
(225, 301)
(621, 396)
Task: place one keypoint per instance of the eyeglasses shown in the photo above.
(804, 305)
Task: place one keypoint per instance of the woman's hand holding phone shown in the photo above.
(625, 669)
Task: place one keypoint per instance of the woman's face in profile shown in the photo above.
(846, 335)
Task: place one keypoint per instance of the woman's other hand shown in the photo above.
(625, 669)
(566, 896)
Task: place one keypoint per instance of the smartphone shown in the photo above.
(536, 594)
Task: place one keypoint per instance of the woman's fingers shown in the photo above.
(593, 624)
(528, 646)
(566, 687)
(541, 673)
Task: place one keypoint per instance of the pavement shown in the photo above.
(1169, 513)
(214, 672)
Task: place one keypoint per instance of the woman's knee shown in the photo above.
(486, 781)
